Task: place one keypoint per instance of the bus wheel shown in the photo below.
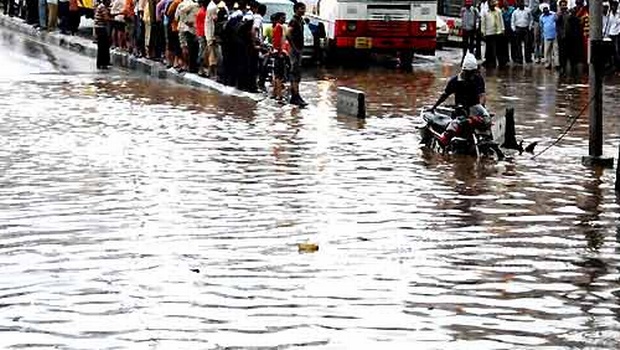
(406, 60)
(332, 54)
(361, 58)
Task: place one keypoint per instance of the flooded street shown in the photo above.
(137, 214)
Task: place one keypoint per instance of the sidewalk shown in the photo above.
(154, 69)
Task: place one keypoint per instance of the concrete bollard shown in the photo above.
(351, 102)
(510, 133)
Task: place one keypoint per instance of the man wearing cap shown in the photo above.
(549, 34)
(468, 88)
(469, 17)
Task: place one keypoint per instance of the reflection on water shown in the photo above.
(141, 215)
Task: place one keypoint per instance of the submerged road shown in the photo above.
(136, 214)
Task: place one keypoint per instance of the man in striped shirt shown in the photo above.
(102, 22)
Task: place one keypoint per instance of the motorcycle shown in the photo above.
(473, 141)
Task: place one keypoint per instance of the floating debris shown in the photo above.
(307, 247)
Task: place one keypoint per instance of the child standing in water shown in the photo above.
(280, 55)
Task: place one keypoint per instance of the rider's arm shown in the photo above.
(483, 99)
(450, 89)
(444, 96)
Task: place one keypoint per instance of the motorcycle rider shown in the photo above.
(468, 88)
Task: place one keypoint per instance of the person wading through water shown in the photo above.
(469, 92)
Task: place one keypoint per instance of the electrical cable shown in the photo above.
(572, 122)
(563, 133)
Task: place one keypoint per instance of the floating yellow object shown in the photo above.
(307, 247)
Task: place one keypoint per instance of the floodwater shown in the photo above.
(136, 214)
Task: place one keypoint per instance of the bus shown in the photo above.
(399, 27)
(449, 11)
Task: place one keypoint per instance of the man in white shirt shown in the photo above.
(257, 32)
(212, 49)
(186, 16)
(492, 26)
(521, 23)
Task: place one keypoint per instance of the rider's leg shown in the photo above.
(451, 130)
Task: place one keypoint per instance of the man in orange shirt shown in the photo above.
(280, 55)
(129, 13)
(582, 12)
(173, 35)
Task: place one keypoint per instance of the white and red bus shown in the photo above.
(383, 26)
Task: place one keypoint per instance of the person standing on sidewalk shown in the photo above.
(32, 13)
(258, 36)
(295, 39)
(140, 50)
(186, 16)
(482, 7)
(614, 33)
(561, 27)
(174, 46)
(102, 24)
(74, 16)
(548, 31)
(201, 17)
(118, 24)
(161, 36)
(507, 46)
(492, 26)
(469, 17)
(210, 39)
(52, 15)
(43, 14)
(582, 12)
(9, 7)
(148, 18)
(521, 26)
(129, 12)
(63, 16)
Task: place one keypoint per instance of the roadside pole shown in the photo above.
(597, 55)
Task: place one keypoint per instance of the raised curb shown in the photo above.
(121, 59)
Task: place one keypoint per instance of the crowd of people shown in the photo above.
(47, 15)
(213, 38)
(545, 31)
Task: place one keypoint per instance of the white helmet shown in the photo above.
(470, 62)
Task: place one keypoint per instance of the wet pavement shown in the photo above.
(137, 214)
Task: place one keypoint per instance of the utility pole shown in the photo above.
(597, 55)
